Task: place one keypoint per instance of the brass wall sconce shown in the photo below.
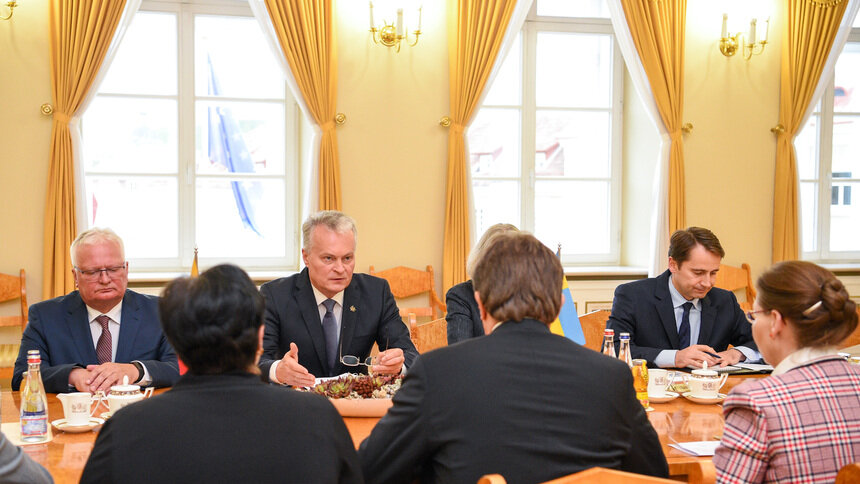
(392, 34)
(11, 6)
(729, 43)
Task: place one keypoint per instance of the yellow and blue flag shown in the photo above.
(567, 323)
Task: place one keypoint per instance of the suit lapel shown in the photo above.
(128, 327)
(707, 324)
(663, 302)
(307, 303)
(78, 325)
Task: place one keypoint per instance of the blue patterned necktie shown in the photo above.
(329, 324)
(684, 330)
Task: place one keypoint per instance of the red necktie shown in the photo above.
(103, 347)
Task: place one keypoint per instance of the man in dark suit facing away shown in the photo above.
(317, 317)
(91, 338)
(521, 401)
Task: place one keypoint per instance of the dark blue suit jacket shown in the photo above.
(60, 330)
(369, 315)
(644, 309)
(463, 316)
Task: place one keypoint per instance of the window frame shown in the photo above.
(186, 174)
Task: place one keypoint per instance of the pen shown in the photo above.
(715, 356)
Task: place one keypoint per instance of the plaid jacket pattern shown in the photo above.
(801, 426)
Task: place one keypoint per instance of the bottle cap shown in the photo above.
(609, 332)
(33, 356)
(624, 335)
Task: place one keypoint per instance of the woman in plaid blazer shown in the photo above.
(802, 423)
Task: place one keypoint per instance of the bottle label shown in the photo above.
(34, 425)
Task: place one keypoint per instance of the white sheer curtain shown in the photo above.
(659, 236)
(309, 164)
(521, 11)
(131, 8)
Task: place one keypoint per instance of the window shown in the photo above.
(546, 144)
(191, 141)
(828, 167)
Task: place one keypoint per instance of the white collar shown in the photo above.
(801, 356)
(114, 314)
(677, 299)
(320, 297)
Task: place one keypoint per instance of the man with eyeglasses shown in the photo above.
(679, 319)
(91, 338)
(324, 320)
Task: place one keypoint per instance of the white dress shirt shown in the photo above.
(115, 316)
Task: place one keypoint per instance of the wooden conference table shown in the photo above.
(676, 421)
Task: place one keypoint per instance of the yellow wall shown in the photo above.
(393, 153)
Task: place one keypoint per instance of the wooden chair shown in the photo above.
(853, 338)
(11, 288)
(595, 474)
(429, 336)
(593, 324)
(406, 282)
(849, 474)
(733, 278)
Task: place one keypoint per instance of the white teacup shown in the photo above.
(125, 394)
(659, 381)
(706, 383)
(78, 407)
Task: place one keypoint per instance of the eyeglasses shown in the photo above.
(349, 360)
(96, 274)
(751, 314)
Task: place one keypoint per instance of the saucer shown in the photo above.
(61, 424)
(666, 397)
(106, 415)
(705, 401)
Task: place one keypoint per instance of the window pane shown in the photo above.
(241, 59)
(806, 146)
(142, 210)
(494, 143)
(846, 145)
(240, 137)
(574, 214)
(568, 8)
(505, 89)
(241, 218)
(145, 62)
(845, 217)
(573, 70)
(145, 141)
(572, 144)
(496, 202)
(808, 217)
(847, 79)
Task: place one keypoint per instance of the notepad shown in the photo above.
(702, 448)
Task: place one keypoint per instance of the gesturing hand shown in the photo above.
(290, 372)
(389, 361)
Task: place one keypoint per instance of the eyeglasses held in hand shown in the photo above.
(349, 360)
(95, 274)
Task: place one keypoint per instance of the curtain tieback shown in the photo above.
(329, 125)
(676, 135)
(61, 117)
(457, 128)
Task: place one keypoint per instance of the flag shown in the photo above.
(194, 270)
(227, 148)
(567, 323)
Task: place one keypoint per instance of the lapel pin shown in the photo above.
(352, 308)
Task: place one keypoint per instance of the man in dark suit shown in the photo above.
(91, 338)
(679, 319)
(520, 401)
(220, 423)
(317, 317)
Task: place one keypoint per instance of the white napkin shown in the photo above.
(702, 448)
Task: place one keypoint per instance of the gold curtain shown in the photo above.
(306, 34)
(81, 33)
(657, 28)
(808, 35)
(476, 29)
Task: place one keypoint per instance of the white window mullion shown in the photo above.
(529, 129)
(825, 171)
(187, 175)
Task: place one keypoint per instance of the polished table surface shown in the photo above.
(676, 421)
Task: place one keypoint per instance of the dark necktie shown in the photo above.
(329, 324)
(103, 347)
(684, 329)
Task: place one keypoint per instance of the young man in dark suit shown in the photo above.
(520, 401)
(91, 338)
(679, 319)
(325, 312)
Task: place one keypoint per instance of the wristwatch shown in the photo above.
(140, 370)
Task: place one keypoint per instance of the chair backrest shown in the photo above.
(11, 288)
(853, 338)
(733, 278)
(849, 474)
(406, 282)
(595, 474)
(429, 336)
(593, 324)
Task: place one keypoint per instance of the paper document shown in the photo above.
(703, 448)
(755, 366)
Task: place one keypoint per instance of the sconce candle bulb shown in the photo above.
(392, 34)
(729, 43)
